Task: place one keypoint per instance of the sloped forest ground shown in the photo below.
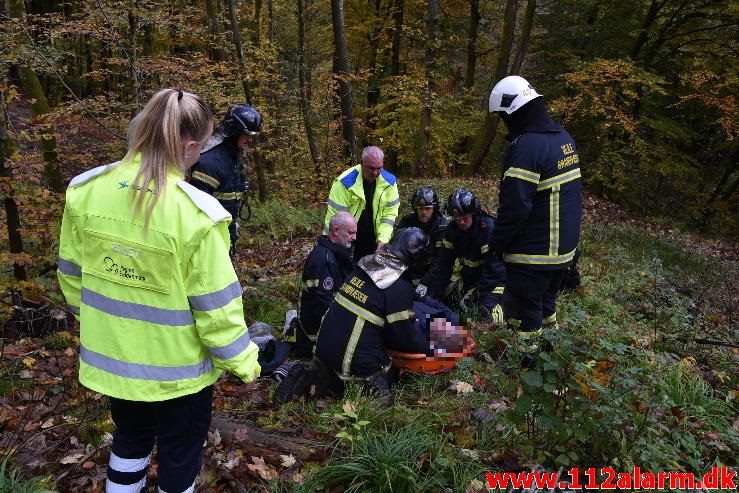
(644, 372)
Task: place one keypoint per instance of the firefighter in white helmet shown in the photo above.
(538, 225)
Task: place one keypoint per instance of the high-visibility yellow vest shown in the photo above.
(347, 194)
(160, 308)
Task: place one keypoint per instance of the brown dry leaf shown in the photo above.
(88, 465)
(47, 424)
(71, 459)
(287, 460)
(29, 362)
(461, 387)
(215, 437)
(349, 407)
(69, 352)
(265, 471)
(241, 434)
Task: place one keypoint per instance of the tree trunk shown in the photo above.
(33, 91)
(256, 26)
(469, 78)
(214, 26)
(501, 70)
(373, 83)
(271, 24)
(15, 240)
(341, 77)
(523, 43)
(391, 156)
(236, 32)
(133, 21)
(304, 100)
(429, 63)
(654, 7)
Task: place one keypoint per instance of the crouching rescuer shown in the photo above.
(372, 311)
(143, 262)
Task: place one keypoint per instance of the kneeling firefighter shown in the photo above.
(372, 311)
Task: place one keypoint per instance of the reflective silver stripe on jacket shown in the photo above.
(136, 311)
(394, 202)
(141, 371)
(230, 350)
(128, 465)
(69, 268)
(387, 221)
(337, 206)
(211, 301)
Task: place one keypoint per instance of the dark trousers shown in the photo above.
(530, 295)
(179, 427)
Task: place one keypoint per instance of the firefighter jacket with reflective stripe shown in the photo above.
(325, 270)
(160, 308)
(363, 320)
(347, 194)
(220, 172)
(423, 270)
(538, 222)
(471, 248)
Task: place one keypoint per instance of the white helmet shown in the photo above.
(511, 93)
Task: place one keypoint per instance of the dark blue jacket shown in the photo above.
(325, 270)
(363, 320)
(471, 248)
(538, 223)
(423, 270)
(220, 173)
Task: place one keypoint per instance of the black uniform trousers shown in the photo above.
(530, 295)
(179, 426)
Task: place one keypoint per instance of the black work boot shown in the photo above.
(378, 387)
(296, 384)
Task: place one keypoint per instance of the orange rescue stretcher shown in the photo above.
(432, 365)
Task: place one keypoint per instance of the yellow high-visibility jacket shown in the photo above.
(347, 194)
(160, 308)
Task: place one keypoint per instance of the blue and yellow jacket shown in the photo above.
(347, 194)
(538, 223)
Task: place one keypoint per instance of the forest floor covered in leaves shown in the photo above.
(644, 372)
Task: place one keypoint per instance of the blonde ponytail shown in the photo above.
(157, 133)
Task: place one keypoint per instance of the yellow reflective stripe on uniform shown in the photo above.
(554, 220)
(358, 310)
(402, 315)
(559, 179)
(352, 345)
(472, 263)
(499, 290)
(522, 174)
(227, 195)
(200, 176)
(523, 334)
(438, 244)
(485, 248)
(551, 319)
(311, 283)
(448, 244)
(141, 371)
(520, 258)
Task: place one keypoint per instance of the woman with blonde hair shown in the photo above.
(143, 262)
